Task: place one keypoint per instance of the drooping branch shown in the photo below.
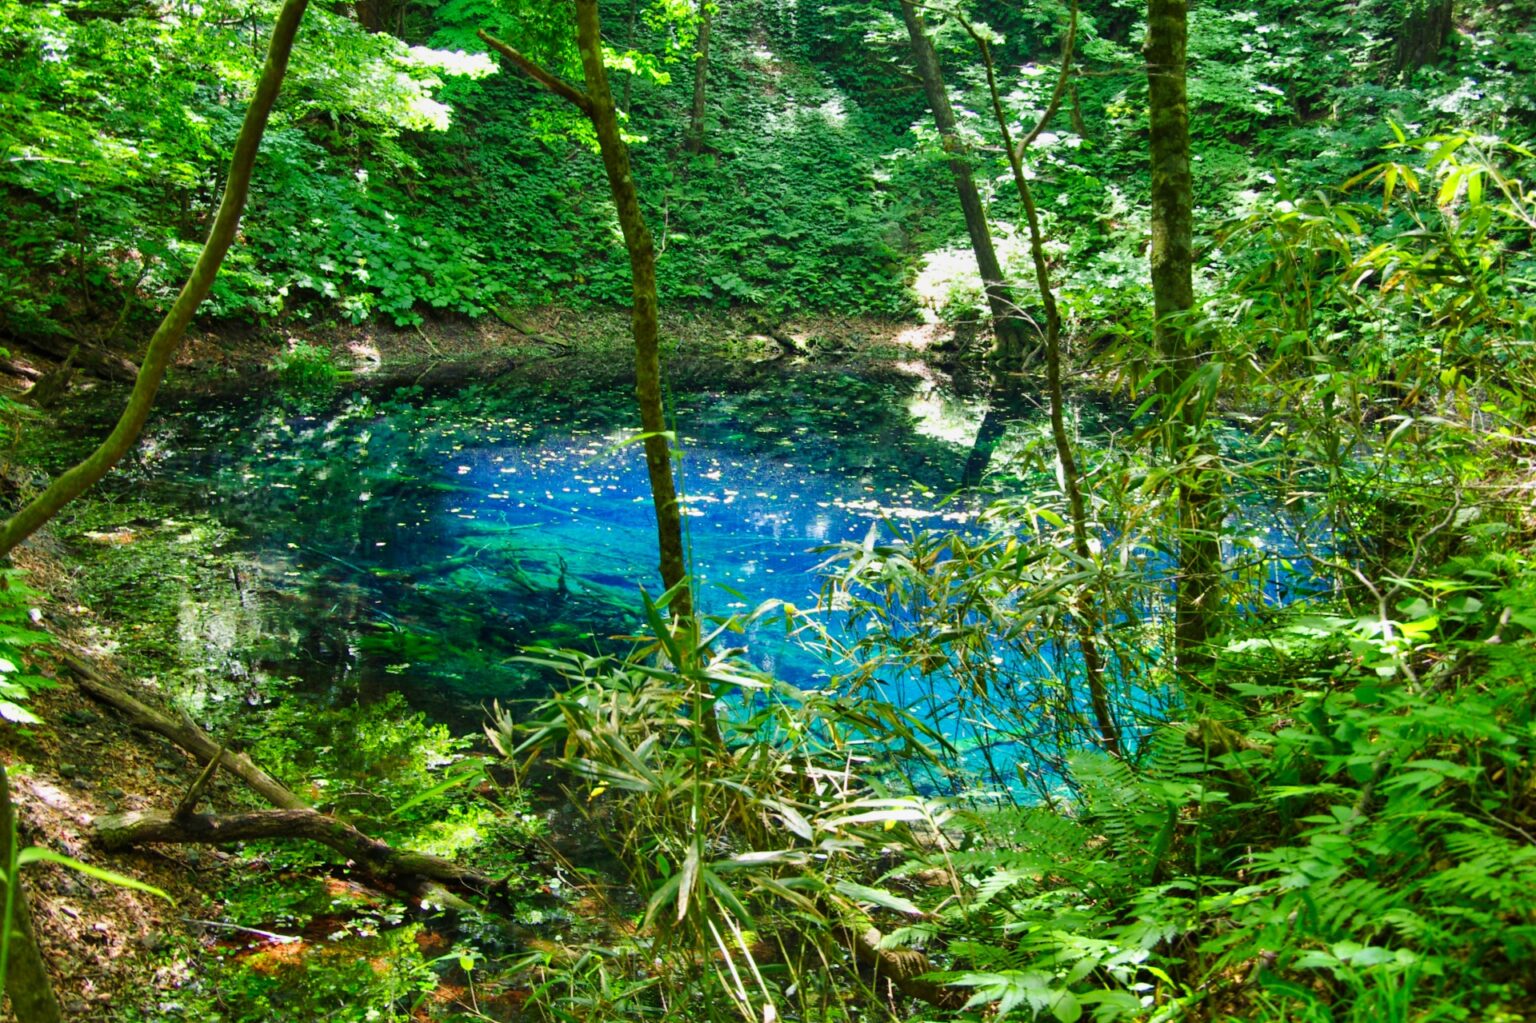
(531, 68)
(167, 338)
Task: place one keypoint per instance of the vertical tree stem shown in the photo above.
(26, 977)
(1007, 325)
(645, 314)
(695, 142)
(1086, 618)
(1181, 352)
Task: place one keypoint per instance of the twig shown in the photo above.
(188, 805)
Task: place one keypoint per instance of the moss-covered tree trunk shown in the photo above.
(644, 318)
(167, 338)
(1425, 29)
(27, 985)
(1181, 350)
(1007, 325)
(695, 141)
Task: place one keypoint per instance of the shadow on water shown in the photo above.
(419, 542)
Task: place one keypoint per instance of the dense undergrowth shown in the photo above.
(398, 181)
(1330, 817)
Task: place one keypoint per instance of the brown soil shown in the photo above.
(100, 939)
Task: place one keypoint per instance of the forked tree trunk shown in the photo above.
(695, 142)
(1181, 350)
(1008, 326)
(167, 338)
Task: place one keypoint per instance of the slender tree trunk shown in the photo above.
(167, 338)
(629, 41)
(700, 79)
(597, 103)
(1008, 326)
(1078, 124)
(26, 977)
(645, 316)
(1086, 618)
(1181, 350)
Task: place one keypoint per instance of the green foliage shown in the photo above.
(307, 369)
(17, 634)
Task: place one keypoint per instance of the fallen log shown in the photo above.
(135, 827)
(901, 968)
(96, 361)
(421, 873)
(183, 733)
(20, 370)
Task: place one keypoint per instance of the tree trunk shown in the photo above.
(167, 338)
(1087, 618)
(1426, 28)
(1007, 325)
(644, 318)
(629, 41)
(27, 984)
(1181, 350)
(695, 142)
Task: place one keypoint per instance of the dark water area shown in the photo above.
(420, 543)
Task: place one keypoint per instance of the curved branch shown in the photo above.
(167, 338)
(559, 87)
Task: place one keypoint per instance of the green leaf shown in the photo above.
(36, 854)
(879, 897)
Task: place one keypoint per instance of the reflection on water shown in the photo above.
(420, 543)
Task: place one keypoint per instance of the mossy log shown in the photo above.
(183, 733)
(901, 968)
(376, 858)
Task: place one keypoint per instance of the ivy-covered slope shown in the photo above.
(399, 181)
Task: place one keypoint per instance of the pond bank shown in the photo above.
(166, 592)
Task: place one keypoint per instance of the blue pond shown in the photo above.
(419, 543)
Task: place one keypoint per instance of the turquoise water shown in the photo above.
(419, 543)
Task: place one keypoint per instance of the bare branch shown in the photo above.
(554, 84)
